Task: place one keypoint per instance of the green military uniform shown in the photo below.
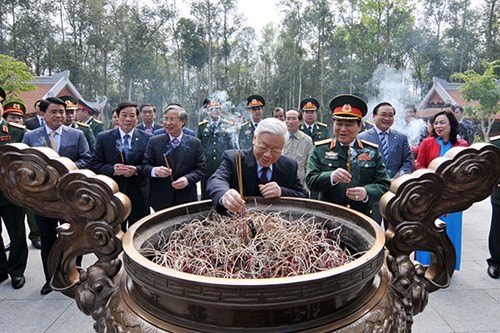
(13, 218)
(245, 137)
(494, 235)
(87, 131)
(320, 131)
(96, 126)
(215, 140)
(367, 170)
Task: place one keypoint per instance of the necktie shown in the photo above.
(311, 129)
(126, 142)
(383, 140)
(175, 142)
(53, 142)
(263, 176)
(213, 126)
(42, 122)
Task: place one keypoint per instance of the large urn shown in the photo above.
(380, 291)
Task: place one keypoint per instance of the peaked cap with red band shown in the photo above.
(348, 107)
(255, 100)
(82, 105)
(309, 104)
(71, 102)
(211, 103)
(14, 108)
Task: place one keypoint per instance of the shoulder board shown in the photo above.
(493, 138)
(368, 122)
(244, 124)
(322, 142)
(368, 143)
(98, 121)
(322, 124)
(82, 124)
(202, 122)
(227, 121)
(17, 125)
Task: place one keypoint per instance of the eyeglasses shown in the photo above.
(172, 120)
(264, 150)
(386, 115)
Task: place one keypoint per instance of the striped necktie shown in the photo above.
(383, 140)
(53, 142)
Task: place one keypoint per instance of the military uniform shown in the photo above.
(245, 137)
(494, 235)
(13, 218)
(95, 125)
(367, 170)
(365, 126)
(320, 131)
(362, 159)
(87, 131)
(215, 140)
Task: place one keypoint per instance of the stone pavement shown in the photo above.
(470, 304)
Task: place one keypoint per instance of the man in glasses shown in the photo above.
(261, 170)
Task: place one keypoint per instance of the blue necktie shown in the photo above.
(263, 176)
(175, 142)
(383, 140)
(126, 145)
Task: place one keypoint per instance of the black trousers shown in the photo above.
(494, 237)
(13, 218)
(48, 236)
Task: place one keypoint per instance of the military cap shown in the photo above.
(309, 104)
(71, 102)
(14, 108)
(348, 107)
(255, 100)
(211, 103)
(362, 96)
(3, 95)
(84, 106)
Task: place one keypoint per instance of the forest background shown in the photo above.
(145, 51)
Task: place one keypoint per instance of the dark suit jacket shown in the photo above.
(107, 153)
(32, 123)
(156, 126)
(400, 158)
(186, 160)
(225, 177)
(73, 144)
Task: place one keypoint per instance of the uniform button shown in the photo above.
(215, 158)
(329, 164)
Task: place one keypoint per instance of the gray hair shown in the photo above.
(272, 126)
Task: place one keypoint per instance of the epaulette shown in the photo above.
(322, 142)
(203, 122)
(228, 121)
(368, 122)
(82, 124)
(98, 121)
(374, 145)
(17, 125)
(497, 137)
(245, 123)
(322, 124)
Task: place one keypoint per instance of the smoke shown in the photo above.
(396, 87)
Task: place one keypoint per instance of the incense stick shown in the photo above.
(168, 166)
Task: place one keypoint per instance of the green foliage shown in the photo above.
(15, 76)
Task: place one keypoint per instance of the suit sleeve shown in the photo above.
(296, 189)
(220, 182)
(423, 153)
(149, 161)
(407, 165)
(83, 161)
(200, 169)
(98, 161)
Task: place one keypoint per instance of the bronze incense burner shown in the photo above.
(123, 291)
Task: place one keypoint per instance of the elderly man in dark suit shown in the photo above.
(265, 172)
(119, 153)
(175, 162)
(67, 142)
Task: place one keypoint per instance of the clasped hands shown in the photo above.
(124, 170)
(233, 202)
(353, 193)
(164, 172)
